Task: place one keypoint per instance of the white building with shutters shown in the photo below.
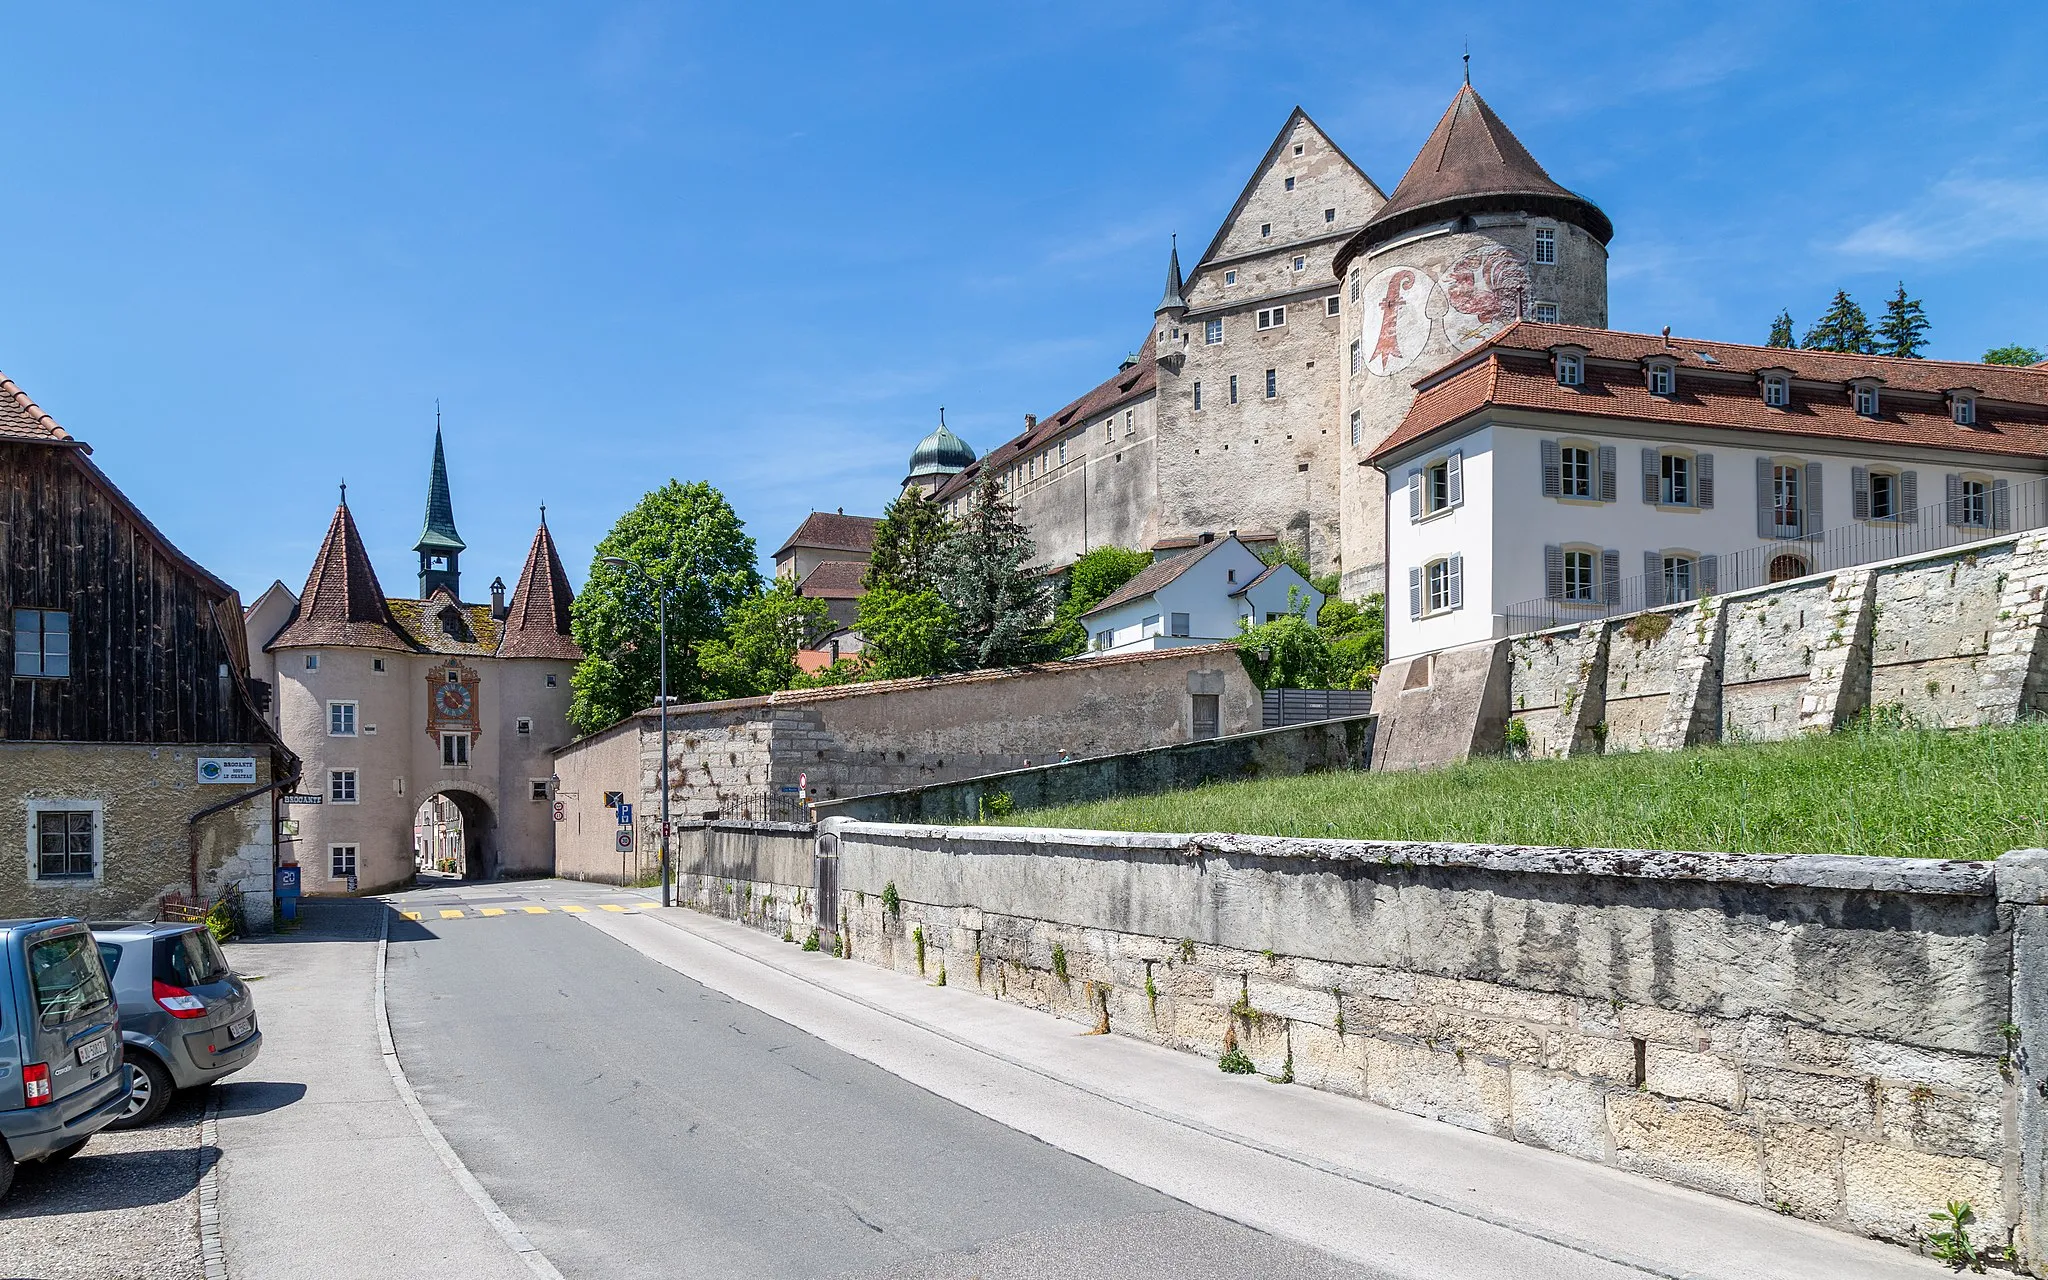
(1559, 473)
(1208, 591)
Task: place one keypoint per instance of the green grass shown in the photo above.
(1972, 793)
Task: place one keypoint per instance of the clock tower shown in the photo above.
(440, 547)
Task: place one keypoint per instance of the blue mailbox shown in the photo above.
(286, 882)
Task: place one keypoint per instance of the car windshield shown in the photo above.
(67, 978)
(195, 959)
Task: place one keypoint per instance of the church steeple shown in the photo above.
(440, 547)
(1173, 302)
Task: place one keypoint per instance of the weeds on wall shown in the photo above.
(942, 976)
(811, 941)
(1059, 962)
(917, 938)
(892, 903)
(1233, 1062)
(1950, 1241)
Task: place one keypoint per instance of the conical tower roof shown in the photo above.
(537, 623)
(1473, 163)
(439, 533)
(342, 603)
(1173, 300)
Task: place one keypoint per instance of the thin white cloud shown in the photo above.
(1959, 215)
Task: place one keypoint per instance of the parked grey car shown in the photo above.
(186, 1019)
(60, 1045)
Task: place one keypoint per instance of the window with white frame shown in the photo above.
(1272, 317)
(1272, 383)
(455, 750)
(1177, 624)
(1148, 626)
(1233, 388)
(1329, 215)
(1130, 422)
(341, 719)
(1439, 486)
(1580, 567)
(1662, 378)
(64, 837)
(1963, 409)
(1198, 402)
(1355, 284)
(1679, 572)
(1265, 229)
(1545, 313)
(1230, 277)
(1332, 305)
(1357, 354)
(1357, 427)
(1777, 390)
(1104, 638)
(1442, 589)
(312, 662)
(341, 861)
(1571, 369)
(1109, 427)
(1063, 446)
(1969, 502)
(1575, 471)
(341, 786)
(1301, 262)
(42, 644)
(1866, 399)
(1212, 331)
(1289, 185)
(1546, 246)
(1675, 481)
(1788, 491)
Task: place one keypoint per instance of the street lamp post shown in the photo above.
(661, 626)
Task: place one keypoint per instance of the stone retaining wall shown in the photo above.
(1835, 1038)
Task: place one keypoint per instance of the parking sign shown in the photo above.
(625, 814)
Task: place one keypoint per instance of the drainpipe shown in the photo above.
(192, 823)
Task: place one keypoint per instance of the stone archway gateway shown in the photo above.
(455, 832)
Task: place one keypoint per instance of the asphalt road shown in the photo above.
(635, 1123)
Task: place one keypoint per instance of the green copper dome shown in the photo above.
(941, 453)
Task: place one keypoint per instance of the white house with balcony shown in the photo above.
(1557, 473)
(1200, 595)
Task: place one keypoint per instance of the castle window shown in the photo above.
(1329, 215)
(1661, 379)
(341, 719)
(1881, 495)
(1571, 369)
(1357, 351)
(1265, 229)
(1546, 313)
(42, 643)
(1290, 184)
(1301, 262)
(1198, 394)
(1777, 390)
(1130, 421)
(1233, 388)
(537, 788)
(1272, 383)
(1272, 317)
(312, 662)
(1063, 453)
(341, 861)
(1109, 428)
(551, 682)
(1962, 408)
(1354, 284)
(1230, 277)
(1357, 426)
(341, 786)
(1297, 148)
(1212, 331)
(1331, 305)
(1546, 246)
(376, 664)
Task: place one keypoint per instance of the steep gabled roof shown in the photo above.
(1154, 576)
(834, 580)
(23, 419)
(1294, 117)
(833, 531)
(1473, 163)
(536, 624)
(342, 603)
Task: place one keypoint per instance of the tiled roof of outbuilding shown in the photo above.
(833, 531)
(834, 580)
(536, 623)
(1152, 577)
(1716, 386)
(23, 419)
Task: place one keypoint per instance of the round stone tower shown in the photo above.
(1475, 238)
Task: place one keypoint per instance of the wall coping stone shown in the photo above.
(1802, 870)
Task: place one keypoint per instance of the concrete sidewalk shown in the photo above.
(324, 1172)
(1379, 1187)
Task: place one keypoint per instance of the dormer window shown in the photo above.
(1962, 406)
(1571, 368)
(1777, 390)
(1663, 377)
(1864, 394)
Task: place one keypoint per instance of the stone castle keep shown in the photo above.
(1275, 366)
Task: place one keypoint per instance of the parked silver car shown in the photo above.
(60, 1051)
(186, 1019)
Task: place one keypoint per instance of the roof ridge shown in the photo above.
(37, 416)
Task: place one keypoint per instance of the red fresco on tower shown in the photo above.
(1389, 345)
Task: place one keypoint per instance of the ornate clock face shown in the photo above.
(453, 701)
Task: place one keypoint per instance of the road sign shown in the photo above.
(625, 814)
(561, 811)
(227, 769)
(664, 828)
(624, 840)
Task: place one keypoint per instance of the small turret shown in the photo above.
(1173, 304)
(938, 457)
(440, 547)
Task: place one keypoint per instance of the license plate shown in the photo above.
(240, 1028)
(93, 1052)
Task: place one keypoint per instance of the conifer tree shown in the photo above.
(1781, 331)
(908, 537)
(1000, 606)
(1843, 327)
(1903, 331)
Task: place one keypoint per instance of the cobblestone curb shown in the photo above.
(212, 1251)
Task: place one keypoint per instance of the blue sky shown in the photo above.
(247, 247)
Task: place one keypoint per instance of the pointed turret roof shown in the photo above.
(439, 533)
(342, 603)
(1173, 299)
(1473, 163)
(537, 622)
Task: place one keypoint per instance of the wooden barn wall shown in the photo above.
(145, 649)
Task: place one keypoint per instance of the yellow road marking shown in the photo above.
(535, 911)
(451, 915)
(493, 911)
(611, 906)
(410, 915)
(575, 911)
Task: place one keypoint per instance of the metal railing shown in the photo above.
(1999, 511)
(1283, 707)
(763, 806)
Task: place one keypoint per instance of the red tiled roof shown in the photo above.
(834, 580)
(22, 418)
(536, 624)
(833, 531)
(1126, 384)
(342, 603)
(1716, 386)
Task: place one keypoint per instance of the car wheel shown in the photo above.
(67, 1151)
(6, 1170)
(149, 1092)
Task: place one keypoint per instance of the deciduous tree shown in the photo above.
(2015, 355)
(1090, 581)
(757, 653)
(907, 633)
(1286, 653)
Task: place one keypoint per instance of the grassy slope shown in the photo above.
(1923, 794)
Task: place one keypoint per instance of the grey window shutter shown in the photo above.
(1610, 576)
(1455, 587)
(1454, 479)
(1553, 470)
(1607, 466)
(1703, 482)
(1955, 499)
(1764, 520)
(1651, 460)
(2001, 505)
(1909, 496)
(1859, 493)
(1414, 495)
(1414, 593)
(1810, 522)
(1710, 574)
(1653, 578)
(1553, 572)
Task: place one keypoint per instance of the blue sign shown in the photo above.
(287, 882)
(625, 814)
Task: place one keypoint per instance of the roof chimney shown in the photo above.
(1667, 335)
(1030, 423)
(498, 609)
(1208, 537)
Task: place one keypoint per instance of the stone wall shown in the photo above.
(1949, 639)
(759, 874)
(1267, 753)
(1835, 1038)
(143, 795)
